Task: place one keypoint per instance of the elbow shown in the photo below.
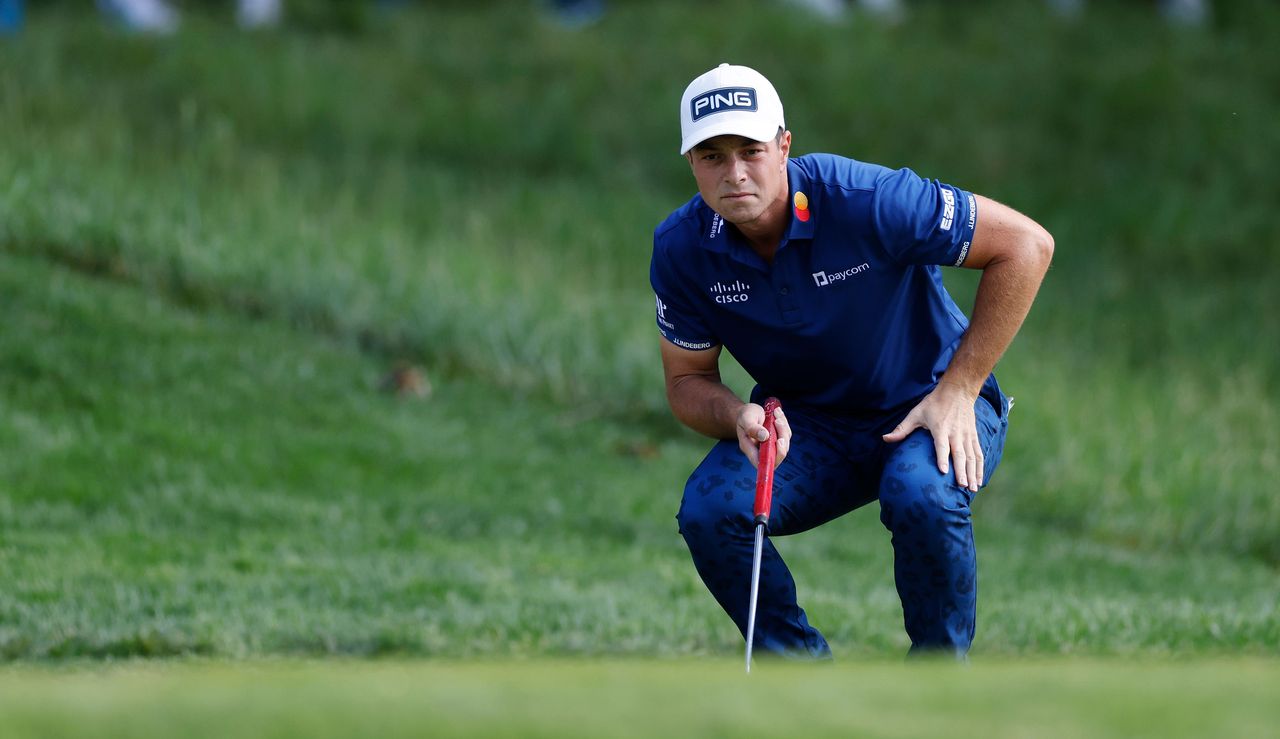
(675, 404)
(676, 400)
(1044, 248)
(1029, 251)
(683, 397)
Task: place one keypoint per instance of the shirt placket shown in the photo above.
(783, 281)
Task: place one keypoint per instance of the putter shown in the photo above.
(764, 499)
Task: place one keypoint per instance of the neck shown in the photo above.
(764, 234)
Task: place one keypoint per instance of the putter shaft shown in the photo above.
(755, 589)
(763, 501)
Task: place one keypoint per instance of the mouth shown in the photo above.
(736, 196)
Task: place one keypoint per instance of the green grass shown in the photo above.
(212, 248)
(644, 699)
(228, 487)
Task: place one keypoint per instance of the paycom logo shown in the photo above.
(822, 279)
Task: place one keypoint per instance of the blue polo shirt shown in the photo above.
(852, 316)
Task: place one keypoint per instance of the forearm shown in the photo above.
(704, 404)
(1004, 298)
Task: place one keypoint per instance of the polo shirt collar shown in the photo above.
(717, 234)
(803, 220)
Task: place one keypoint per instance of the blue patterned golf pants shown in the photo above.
(834, 466)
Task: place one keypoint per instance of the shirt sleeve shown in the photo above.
(923, 221)
(678, 322)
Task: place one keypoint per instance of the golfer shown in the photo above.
(820, 274)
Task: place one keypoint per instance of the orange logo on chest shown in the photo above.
(801, 202)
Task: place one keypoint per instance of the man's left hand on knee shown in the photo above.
(947, 414)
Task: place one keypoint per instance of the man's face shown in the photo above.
(741, 179)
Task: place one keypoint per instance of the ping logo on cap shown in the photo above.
(721, 100)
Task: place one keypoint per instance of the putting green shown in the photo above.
(1065, 698)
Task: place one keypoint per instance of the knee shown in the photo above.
(915, 495)
(713, 506)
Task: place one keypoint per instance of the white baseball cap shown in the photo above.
(729, 99)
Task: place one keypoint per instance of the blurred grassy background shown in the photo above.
(213, 245)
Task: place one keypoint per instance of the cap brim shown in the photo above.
(730, 127)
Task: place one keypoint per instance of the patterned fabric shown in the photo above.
(838, 464)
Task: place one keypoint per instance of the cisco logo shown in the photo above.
(735, 292)
(822, 279)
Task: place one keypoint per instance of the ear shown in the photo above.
(784, 145)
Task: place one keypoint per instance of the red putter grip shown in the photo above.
(764, 472)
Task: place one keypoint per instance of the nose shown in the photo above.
(735, 170)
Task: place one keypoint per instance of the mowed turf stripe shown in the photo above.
(558, 699)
